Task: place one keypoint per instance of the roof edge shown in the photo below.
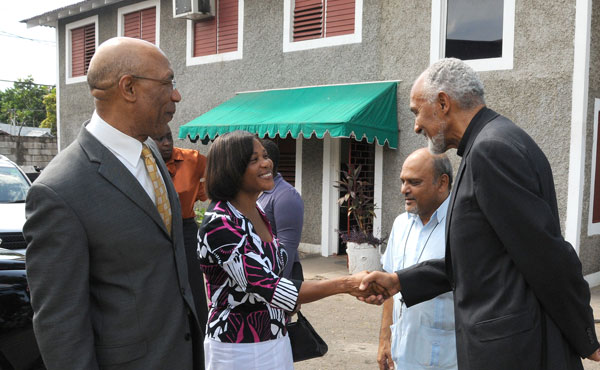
(51, 18)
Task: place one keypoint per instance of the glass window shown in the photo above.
(474, 29)
(13, 186)
(480, 32)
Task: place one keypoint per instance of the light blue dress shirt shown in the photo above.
(423, 335)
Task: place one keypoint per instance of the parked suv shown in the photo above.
(18, 348)
(14, 185)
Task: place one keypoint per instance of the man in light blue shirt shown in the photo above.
(422, 336)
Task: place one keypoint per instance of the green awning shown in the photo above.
(364, 110)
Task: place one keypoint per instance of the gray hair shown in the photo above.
(442, 166)
(455, 78)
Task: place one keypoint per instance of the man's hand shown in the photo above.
(595, 356)
(354, 287)
(383, 284)
(384, 355)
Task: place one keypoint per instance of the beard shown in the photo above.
(437, 143)
(414, 210)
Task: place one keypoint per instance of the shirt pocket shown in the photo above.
(435, 348)
(428, 348)
(502, 327)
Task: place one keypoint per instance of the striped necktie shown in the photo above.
(160, 192)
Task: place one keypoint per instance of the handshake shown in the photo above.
(373, 287)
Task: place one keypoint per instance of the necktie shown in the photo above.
(160, 192)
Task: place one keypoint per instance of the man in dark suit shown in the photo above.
(105, 262)
(520, 298)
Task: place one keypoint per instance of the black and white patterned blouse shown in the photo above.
(248, 299)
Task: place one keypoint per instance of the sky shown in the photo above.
(27, 51)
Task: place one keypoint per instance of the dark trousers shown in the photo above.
(196, 279)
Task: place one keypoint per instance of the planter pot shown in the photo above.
(362, 257)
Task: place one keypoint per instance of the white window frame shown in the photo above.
(288, 31)
(298, 173)
(438, 38)
(594, 228)
(68, 55)
(121, 12)
(191, 60)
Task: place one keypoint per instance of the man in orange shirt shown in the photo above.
(186, 167)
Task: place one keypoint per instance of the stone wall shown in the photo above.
(28, 151)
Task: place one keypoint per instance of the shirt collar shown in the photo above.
(479, 120)
(439, 215)
(118, 142)
(177, 154)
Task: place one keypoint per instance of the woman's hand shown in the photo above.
(354, 282)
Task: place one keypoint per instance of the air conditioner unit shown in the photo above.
(193, 9)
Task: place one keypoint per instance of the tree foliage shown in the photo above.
(49, 101)
(23, 103)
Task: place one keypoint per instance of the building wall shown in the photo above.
(28, 151)
(589, 252)
(536, 94)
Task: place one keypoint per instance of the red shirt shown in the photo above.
(187, 167)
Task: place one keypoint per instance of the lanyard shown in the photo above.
(425, 245)
(420, 255)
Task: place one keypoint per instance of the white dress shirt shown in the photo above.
(423, 335)
(127, 150)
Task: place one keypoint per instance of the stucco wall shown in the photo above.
(589, 251)
(536, 93)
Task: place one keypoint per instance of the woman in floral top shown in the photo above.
(242, 262)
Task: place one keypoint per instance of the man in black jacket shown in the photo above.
(520, 298)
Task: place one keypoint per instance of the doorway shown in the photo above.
(353, 152)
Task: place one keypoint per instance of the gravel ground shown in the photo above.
(351, 328)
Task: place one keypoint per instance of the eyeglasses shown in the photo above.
(164, 82)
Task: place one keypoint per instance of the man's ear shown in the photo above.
(444, 101)
(127, 89)
(443, 182)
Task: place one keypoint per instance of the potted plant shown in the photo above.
(362, 246)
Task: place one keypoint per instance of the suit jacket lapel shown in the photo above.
(118, 175)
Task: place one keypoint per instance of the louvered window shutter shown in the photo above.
(314, 19)
(227, 34)
(205, 37)
(148, 28)
(141, 25)
(83, 46)
(219, 34)
(340, 17)
(287, 159)
(308, 19)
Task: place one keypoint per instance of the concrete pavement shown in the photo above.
(351, 328)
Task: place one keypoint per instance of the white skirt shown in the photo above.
(273, 354)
